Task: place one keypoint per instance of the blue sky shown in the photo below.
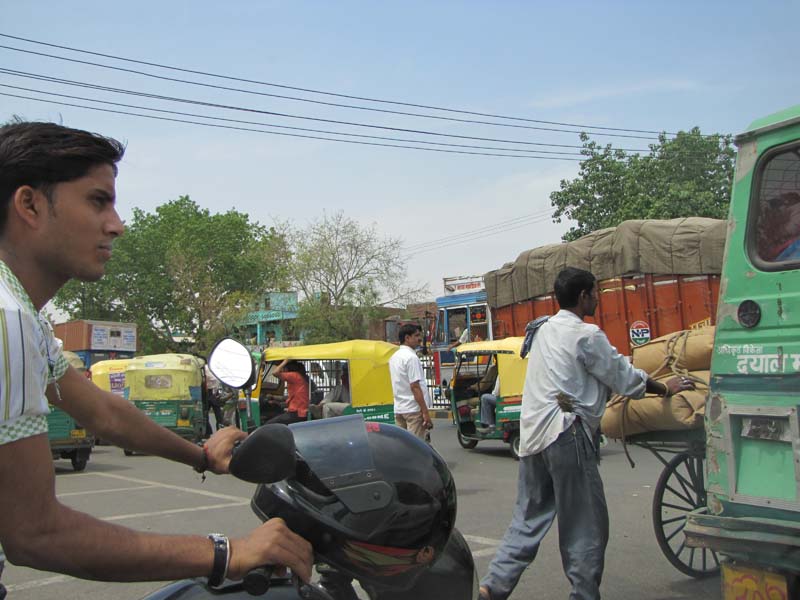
(634, 65)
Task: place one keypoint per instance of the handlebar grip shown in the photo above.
(256, 582)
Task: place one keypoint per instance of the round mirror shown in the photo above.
(230, 362)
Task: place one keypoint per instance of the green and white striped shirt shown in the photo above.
(30, 358)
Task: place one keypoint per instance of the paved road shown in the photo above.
(152, 494)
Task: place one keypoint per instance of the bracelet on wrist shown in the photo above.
(222, 559)
(203, 467)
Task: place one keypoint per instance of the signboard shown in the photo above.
(640, 333)
(463, 284)
(110, 336)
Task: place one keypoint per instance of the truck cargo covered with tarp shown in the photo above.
(656, 277)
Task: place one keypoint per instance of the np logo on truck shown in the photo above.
(640, 333)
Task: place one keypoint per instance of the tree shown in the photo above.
(182, 270)
(344, 271)
(688, 175)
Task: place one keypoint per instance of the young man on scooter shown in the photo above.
(58, 221)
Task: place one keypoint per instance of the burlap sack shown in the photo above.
(624, 417)
(688, 350)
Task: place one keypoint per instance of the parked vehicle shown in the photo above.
(377, 505)
(169, 389)
(478, 365)
(750, 509)
(68, 439)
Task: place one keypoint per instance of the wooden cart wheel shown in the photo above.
(680, 490)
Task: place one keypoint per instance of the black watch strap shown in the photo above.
(221, 559)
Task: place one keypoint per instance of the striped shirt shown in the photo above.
(30, 358)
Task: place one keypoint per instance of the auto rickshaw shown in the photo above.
(68, 439)
(169, 389)
(109, 375)
(360, 366)
(477, 366)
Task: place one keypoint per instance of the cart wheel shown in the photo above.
(513, 445)
(680, 490)
(465, 443)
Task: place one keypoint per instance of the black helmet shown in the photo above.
(376, 502)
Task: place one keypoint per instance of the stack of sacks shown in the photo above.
(685, 353)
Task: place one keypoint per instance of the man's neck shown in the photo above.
(577, 311)
(33, 280)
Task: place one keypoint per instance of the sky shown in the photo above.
(647, 66)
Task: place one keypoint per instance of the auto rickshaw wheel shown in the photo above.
(513, 445)
(79, 460)
(679, 491)
(128, 452)
(466, 443)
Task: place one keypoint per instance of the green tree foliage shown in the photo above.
(688, 175)
(344, 271)
(182, 271)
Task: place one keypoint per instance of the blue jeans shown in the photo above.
(488, 406)
(562, 479)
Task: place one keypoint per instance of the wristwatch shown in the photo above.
(222, 557)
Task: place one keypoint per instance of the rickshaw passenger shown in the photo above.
(294, 374)
(488, 408)
(337, 399)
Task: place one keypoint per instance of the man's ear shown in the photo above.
(27, 204)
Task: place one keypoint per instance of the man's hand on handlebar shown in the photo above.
(273, 543)
(220, 446)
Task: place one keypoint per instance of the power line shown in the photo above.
(313, 137)
(228, 120)
(459, 236)
(313, 91)
(97, 87)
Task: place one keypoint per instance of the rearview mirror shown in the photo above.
(231, 363)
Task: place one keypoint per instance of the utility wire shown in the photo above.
(313, 137)
(97, 87)
(459, 236)
(327, 132)
(471, 239)
(333, 94)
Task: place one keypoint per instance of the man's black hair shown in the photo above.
(42, 155)
(407, 329)
(570, 282)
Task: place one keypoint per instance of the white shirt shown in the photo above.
(30, 357)
(575, 358)
(405, 368)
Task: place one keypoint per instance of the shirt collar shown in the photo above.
(568, 314)
(7, 276)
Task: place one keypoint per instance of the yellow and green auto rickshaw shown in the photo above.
(478, 366)
(354, 374)
(68, 439)
(169, 389)
(109, 375)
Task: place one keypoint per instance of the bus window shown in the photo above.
(441, 328)
(777, 210)
(456, 323)
(478, 325)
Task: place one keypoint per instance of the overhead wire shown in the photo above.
(296, 135)
(320, 92)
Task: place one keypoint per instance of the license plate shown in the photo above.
(78, 433)
(746, 582)
(184, 423)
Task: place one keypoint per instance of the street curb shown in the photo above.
(441, 414)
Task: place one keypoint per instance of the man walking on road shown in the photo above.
(571, 369)
(408, 384)
(58, 221)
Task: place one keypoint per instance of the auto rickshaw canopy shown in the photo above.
(367, 360)
(510, 367)
(109, 375)
(74, 360)
(164, 377)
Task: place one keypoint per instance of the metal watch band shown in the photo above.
(221, 559)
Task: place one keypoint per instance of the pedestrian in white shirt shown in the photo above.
(408, 384)
(572, 367)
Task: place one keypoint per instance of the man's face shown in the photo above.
(590, 300)
(81, 226)
(414, 340)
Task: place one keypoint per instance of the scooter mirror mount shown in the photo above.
(231, 363)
